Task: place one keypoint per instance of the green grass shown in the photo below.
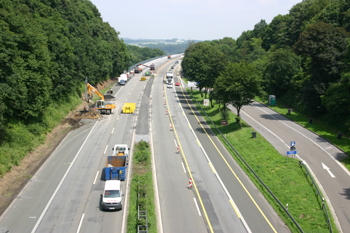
(141, 182)
(320, 128)
(22, 138)
(288, 181)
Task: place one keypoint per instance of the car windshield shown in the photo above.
(111, 193)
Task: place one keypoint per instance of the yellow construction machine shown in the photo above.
(101, 105)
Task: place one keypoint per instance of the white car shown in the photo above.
(170, 85)
(112, 195)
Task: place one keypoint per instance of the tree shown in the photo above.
(202, 63)
(282, 65)
(323, 48)
(238, 85)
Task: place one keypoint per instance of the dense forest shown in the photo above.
(303, 58)
(47, 48)
(138, 54)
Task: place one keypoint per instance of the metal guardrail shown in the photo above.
(142, 62)
(256, 176)
(319, 194)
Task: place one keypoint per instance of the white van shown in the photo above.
(112, 195)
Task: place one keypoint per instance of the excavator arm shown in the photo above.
(91, 88)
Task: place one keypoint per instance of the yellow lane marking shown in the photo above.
(189, 171)
(234, 207)
(198, 143)
(257, 206)
(211, 166)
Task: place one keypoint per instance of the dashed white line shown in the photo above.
(106, 149)
(195, 202)
(183, 166)
(113, 129)
(96, 177)
(81, 221)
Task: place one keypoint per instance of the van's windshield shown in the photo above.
(112, 193)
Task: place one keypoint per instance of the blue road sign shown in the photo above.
(291, 152)
(292, 143)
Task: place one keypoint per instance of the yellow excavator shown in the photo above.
(101, 105)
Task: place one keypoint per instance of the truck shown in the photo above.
(123, 77)
(120, 150)
(152, 67)
(169, 56)
(101, 105)
(115, 168)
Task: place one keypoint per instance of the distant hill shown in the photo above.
(169, 46)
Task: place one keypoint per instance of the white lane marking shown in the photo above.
(113, 129)
(61, 182)
(328, 170)
(341, 165)
(195, 202)
(81, 221)
(117, 93)
(96, 177)
(105, 150)
(183, 166)
(118, 117)
(175, 142)
(218, 177)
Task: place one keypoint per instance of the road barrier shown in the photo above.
(319, 194)
(276, 199)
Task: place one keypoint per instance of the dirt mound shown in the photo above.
(92, 114)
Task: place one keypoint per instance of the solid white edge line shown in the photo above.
(81, 221)
(195, 202)
(219, 179)
(96, 177)
(339, 163)
(61, 182)
(183, 166)
(330, 206)
(105, 149)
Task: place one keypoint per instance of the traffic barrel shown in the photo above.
(190, 183)
(178, 149)
(171, 127)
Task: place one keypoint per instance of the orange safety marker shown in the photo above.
(190, 183)
(167, 112)
(171, 127)
(178, 149)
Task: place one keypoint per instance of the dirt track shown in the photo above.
(13, 182)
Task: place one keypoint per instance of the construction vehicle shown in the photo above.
(121, 150)
(101, 105)
(129, 108)
(115, 167)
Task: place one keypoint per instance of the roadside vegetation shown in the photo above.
(287, 180)
(48, 48)
(141, 190)
(317, 126)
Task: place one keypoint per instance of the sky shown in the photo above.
(188, 19)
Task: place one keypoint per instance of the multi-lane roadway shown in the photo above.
(65, 193)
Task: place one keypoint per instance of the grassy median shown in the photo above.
(141, 189)
(288, 181)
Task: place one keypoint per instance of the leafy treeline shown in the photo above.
(169, 48)
(47, 48)
(303, 58)
(138, 54)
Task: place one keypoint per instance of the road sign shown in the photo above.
(206, 102)
(292, 143)
(224, 122)
(291, 152)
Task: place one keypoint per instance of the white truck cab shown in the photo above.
(112, 195)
